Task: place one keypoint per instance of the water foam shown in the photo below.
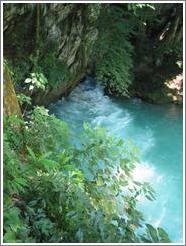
(150, 130)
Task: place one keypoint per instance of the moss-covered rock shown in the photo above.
(10, 103)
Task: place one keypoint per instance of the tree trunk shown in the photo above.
(10, 103)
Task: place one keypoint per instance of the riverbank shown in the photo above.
(78, 169)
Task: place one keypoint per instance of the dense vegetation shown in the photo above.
(138, 46)
(54, 190)
(132, 48)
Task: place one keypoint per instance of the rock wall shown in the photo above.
(72, 27)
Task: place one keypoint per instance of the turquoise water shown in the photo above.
(155, 129)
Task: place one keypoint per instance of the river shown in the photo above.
(157, 130)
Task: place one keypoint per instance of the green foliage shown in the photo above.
(94, 12)
(45, 132)
(137, 43)
(57, 192)
(20, 69)
(22, 98)
(54, 68)
(140, 8)
(171, 51)
(39, 72)
(157, 38)
(36, 81)
(113, 51)
(12, 222)
(158, 235)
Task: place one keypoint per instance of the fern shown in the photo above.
(113, 51)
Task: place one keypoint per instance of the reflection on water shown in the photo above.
(144, 172)
(173, 111)
(155, 129)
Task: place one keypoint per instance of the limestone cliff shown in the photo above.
(71, 27)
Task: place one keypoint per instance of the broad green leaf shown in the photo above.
(163, 235)
(10, 237)
(153, 233)
(114, 222)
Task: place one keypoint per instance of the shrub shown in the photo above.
(113, 51)
(57, 192)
